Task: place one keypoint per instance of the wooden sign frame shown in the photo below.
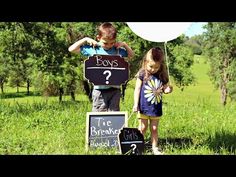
(104, 121)
(106, 70)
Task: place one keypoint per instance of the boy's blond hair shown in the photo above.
(107, 30)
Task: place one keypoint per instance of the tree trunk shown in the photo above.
(2, 88)
(223, 94)
(72, 93)
(225, 80)
(60, 94)
(28, 87)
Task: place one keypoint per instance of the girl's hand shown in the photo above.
(158, 91)
(168, 89)
(135, 109)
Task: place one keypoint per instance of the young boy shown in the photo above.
(105, 98)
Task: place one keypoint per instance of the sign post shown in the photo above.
(106, 70)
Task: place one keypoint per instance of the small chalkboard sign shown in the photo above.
(106, 70)
(102, 128)
(131, 141)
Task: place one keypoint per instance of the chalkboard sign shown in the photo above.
(131, 141)
(106, 70)
(102, 128)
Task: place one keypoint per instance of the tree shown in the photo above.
(4, 72)
(74, 71)
(15, 43)
(195, 44)
(49, 48)
(220, 47)
(180, 58)
(139, 46)
(38, 52)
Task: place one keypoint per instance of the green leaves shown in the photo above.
(219, 46)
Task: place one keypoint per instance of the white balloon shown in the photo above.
(159, 31)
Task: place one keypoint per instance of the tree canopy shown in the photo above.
(220, 47)
(36, 54)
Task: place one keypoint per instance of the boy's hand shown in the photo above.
(123, 44)
(91, 42)
(119, 44)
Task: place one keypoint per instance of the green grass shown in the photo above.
(194, 121)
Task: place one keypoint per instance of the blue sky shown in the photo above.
(195, 29)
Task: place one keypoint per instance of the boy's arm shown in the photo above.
(127, 48)
(137, 94)
(75, 48)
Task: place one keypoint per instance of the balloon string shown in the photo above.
(127, 120)
(167, 62)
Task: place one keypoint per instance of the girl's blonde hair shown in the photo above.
(157, 55)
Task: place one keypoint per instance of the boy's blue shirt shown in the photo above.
(88, 50)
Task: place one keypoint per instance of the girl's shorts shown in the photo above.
(142, 116)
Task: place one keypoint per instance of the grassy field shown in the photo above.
(194, 121)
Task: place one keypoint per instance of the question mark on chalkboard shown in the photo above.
(108, 76)
(134, 147)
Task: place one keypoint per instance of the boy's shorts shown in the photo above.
(106, 100)
(142, 116)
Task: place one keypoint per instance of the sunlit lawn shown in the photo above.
(194, 121)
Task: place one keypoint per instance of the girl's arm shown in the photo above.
(137, 94)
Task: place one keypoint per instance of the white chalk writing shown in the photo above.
(104, 62)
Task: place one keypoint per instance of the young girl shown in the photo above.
(152, 81)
